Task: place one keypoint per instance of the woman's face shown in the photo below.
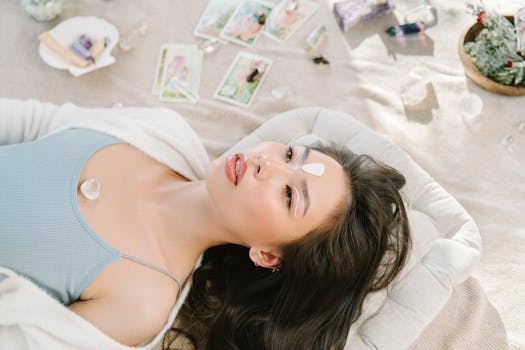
(264, 197)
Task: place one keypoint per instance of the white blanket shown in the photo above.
(447, 242)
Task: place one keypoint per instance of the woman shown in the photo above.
(105, 225)
(312, 296)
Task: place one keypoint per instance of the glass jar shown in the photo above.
(42, 10)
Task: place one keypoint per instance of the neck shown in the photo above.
(185, 223)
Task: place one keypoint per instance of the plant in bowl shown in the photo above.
(489, 53)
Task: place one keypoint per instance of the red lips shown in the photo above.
(235, 167)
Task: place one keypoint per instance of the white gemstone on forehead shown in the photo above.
(316, 169)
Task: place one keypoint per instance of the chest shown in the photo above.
(121, 214)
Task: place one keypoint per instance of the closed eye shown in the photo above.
(289, 154)
(289, 196)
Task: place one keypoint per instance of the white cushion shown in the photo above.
(446, 241)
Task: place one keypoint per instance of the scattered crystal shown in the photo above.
(90, 189)
(521, 127)
(507, 142)
(315, 38)
(425, 13)
(209, 46)
(280, 92)
(291, 6)
(414, 93)
(471, 105)
(126, 43)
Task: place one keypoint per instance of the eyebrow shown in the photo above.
(306, 196)
(304, 187)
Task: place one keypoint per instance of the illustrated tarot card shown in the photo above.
(244, 26)
(159, 72)
(243, 79)
(214, 18)
(182, 74)
(283, 22)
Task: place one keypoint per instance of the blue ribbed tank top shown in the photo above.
(43, 235)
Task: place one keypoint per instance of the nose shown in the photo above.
(267, 166)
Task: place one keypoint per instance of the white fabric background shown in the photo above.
(367, 71)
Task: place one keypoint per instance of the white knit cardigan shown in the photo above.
(30, 318)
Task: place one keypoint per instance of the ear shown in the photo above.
(265, 257)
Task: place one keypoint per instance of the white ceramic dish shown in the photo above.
(68, 32)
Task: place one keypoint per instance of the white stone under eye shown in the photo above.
(315, 169)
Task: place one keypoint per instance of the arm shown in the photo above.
(127, 321)
(22, 121)
(161, 133)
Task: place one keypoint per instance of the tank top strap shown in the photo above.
(152, 266)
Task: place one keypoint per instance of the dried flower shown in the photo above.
(480, 16)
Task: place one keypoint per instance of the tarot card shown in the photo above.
(243, 79)
(159, 72)
(214, 18)
(246, 23)
(182, 74)
(285, 18)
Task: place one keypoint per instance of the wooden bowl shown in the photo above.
(473, 72)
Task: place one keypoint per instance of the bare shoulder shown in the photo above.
(132, 314)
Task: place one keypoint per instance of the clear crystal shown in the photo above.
(507, 142)
(425, 13)
(316, 37)
(291, 5)
(280, 92)
(471, 105)
(126, 43)
(209, 46)
(90, 189)
(521, 127)
(413, 93)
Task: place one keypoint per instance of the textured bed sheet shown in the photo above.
(479, 160)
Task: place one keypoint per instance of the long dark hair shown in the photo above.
(320, 287)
